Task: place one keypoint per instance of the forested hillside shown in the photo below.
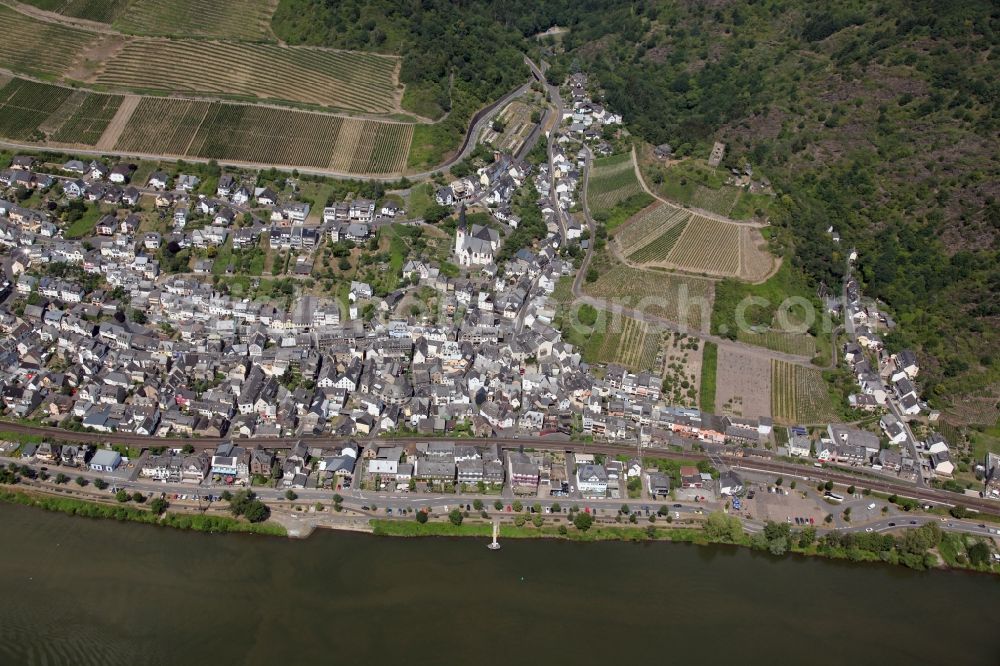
(878, 118)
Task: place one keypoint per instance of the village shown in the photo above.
(100, 335)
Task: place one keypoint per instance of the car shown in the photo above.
(812, 522)
(44, 469)
(892, 524)
(868, 529)
(364, 507)
(913, 522)
(677, 506)
(982, 526)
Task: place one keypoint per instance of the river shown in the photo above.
(81, 591)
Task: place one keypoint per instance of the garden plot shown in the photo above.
(756, 263)
(743, 383)
(681, 369)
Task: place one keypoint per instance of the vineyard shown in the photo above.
(102, 11)
(707, 246)
(612, 181)
(266, 135)
(627, 342)
(799, 395)
(24, 105)
(360, 82)
(685, 300)
(88, 121)
(802, 344)
(36, 47)
(660, 247)
(721, 200)
(228, 19)
(649, 225)
(162, 126)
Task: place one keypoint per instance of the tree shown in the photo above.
(792, 484)
(663, 510)
(536, 508)
(61, 478)
(455, 516)
(138, 497)
(188, 449)
(779, 481)
(80, 481)
(477, 504)
(959, 511)
(851, 489)
(807, 537)
(624, 509)
(122, 495)
(537, 520)
(290, 495)
(100, 484)
(979, 553)
(256, 511)
(498, 505)
(556, 508)
(722, 527)
(633, 518)
(582, 521)
(520, 520)
(158, 506)
(517, 506)
(227, 496)
(421, 516)
(828, 485)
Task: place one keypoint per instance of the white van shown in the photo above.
(871, 507)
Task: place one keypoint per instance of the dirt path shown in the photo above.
(117, 125)
(697, 211)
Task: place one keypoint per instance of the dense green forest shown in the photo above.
(877, 118)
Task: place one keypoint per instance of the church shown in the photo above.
(476, 246)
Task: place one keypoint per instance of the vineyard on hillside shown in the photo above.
(266, 135)
(88, 121)
(659, 248)
(799, 395)
(708, 246)
(612, 181)
(648, 225)
(627, 342)
(802, 344)
(347, 80)
(101, 11)
(228, 19)
(24, 105)
(36, 47)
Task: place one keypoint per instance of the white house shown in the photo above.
(592, 480)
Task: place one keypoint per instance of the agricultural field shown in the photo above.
(627, 342)
(248, 20)
(743, 383)
(39, 48)
(799, 395)
(659, 248)
(101, 11)
(162, 126)
(707, 246)
(352, 81)
(721, 200)
(612, 181)
(648, 225)
(756, 263)
(802, 344)
(682, 299)
(87, 122)
(25, 105)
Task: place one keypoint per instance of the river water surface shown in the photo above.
(80, 591)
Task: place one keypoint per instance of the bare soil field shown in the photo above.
(743, 383)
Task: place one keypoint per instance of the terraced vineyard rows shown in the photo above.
(88, 122)
(101, 11)
(708, 246)
(628, 342)
(648, 225)
(659, 248)
(37, 47)
(611, 181)
(24, 105)
(719, 201)
(799, 395)
(347, 80)
(802, 344)
(379, 148)
(231, 19)
(162, 126)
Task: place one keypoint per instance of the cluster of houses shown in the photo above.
(493, 186)
(586, 118)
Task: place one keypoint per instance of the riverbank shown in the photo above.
(182, 521)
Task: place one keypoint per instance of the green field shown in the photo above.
(24, 105)
(101, 11)
(87, 122)
(659, 247)
(709, 368)
(625, 341)
(348, 80)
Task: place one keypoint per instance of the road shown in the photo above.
(923, 494)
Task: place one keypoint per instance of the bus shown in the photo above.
(833, 496)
